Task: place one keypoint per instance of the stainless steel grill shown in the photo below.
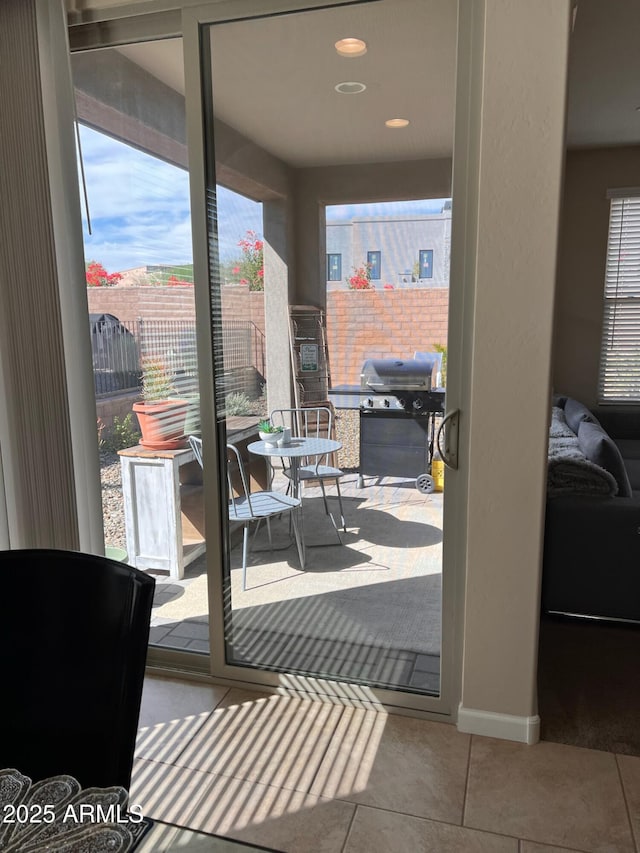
(399, 404)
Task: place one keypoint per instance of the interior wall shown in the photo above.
(581, 264)
(514, 190)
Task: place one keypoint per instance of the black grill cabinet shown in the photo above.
(398, 409)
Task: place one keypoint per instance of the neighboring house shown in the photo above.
(403, 251)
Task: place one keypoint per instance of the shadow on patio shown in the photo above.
(366, 611)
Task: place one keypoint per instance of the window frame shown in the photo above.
(421, 254)
(374, 264)
(621, 301)
(331, 255)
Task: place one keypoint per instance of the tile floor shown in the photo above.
(304, 776)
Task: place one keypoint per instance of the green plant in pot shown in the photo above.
(161, 416)
(268, 432)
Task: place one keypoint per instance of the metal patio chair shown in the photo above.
(249, 508)
(314, 422)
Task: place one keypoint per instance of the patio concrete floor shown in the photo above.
(366, 610)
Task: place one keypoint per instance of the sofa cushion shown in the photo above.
(576, 412)
(600, 449)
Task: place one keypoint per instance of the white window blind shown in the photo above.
(620, 352)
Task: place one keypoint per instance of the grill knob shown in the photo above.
(370, 402)
(400, 403)
(386, 403)
(417, 404)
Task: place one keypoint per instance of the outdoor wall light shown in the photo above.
(350, 88)
(397, 122)
(351, 47)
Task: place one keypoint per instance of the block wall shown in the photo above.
(365, 324)
(360, 324)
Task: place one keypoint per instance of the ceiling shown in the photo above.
(274, 79)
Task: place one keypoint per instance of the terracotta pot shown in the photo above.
(162, 423)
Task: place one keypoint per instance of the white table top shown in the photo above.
(297, 447)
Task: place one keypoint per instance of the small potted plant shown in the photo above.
(161, 416)
(268, 432)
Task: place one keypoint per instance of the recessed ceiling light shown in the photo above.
(397, 122)
(351, 47)
(350, 88)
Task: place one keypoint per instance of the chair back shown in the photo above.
(195, 443)
(74, 630)
(238, 486)
(310, 421)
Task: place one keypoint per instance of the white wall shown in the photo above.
(583, 248)
(512, 194)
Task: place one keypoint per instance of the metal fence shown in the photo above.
(121, 347)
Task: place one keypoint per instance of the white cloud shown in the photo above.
(140, 208)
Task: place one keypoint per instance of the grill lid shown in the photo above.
(385, 375)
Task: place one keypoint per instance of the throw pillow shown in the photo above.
(600, 449)
(576, 412)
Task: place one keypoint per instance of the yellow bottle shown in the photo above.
(437, 471)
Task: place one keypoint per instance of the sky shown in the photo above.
(139, 208)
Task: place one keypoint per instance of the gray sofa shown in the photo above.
(592, 530)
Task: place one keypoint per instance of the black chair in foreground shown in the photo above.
(74, 630)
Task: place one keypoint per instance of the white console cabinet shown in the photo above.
(163, 506)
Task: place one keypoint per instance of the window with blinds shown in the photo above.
(620, 352)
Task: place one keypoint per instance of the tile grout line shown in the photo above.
(208, 716)
(466, 782)
(324, 756)
(626, 803)
(349, 828)
(441, 822)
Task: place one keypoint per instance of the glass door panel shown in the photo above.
(297, 127)
(140, 288)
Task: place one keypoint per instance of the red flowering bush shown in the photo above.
(173, 281)
(250, 267)
(361, 278)
(97, 276)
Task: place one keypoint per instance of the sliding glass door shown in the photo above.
(291, 126)
(259, 210)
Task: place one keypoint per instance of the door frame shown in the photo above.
(128, 24)
(195, 23)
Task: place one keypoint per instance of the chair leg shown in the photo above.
(329, 513)
(268, 520)
(299, 541)
(324, 498)
(245, 549)
(344, 524)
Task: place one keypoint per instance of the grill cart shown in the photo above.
(398, 409)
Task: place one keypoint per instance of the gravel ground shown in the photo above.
(347, 431)
(112, 502)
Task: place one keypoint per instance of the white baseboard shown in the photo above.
(505, 726)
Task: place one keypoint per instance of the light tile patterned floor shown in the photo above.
(308, 777)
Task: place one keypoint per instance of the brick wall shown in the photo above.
(151, 303)
(365, 324)
(361, 324)
(173, 303)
